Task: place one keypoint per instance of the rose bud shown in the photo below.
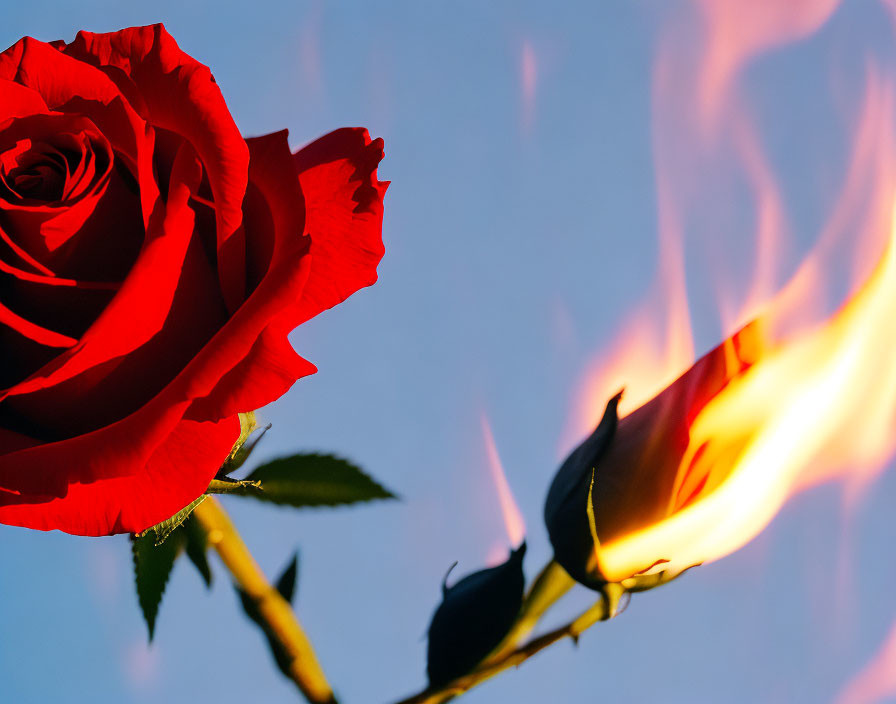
(630, 468)
(152, 263)
(473, 618)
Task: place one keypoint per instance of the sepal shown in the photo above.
(473, 618)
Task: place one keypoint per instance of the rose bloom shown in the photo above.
(152, 262)
(636, 466)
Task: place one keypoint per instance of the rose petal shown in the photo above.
(173, 474)
(274, 211)
(344, 204)
(266, 373)
(55, 77)
(15, 254)
(67, 306)
(180, 94)
(12, 441)
(264, 308)
(119, 387)
(114, 450)
(44, 229)
(19, 100)
(343, 215)
(72, 86)
(143, 302)
(38, 334)
(274, 219)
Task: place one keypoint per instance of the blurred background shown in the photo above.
(539, 155)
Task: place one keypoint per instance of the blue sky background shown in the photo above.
(515, 246)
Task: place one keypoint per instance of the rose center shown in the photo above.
(55, 169)
(39, 181)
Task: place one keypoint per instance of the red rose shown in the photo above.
(152, 262)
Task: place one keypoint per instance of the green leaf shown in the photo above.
(286, 585)
(315, 480)
(197, 547)
(165, 528)
(152, 567)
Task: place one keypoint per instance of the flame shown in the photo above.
(141, 665)
(803, 405)
(513, 518)
(890, 5)
(819, 399)
(877, 680)
(308, 46)
(771, 224)
(528, 84)
(655, 343)
(737, 32)
(643, 361)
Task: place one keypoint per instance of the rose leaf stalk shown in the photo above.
(279, 619)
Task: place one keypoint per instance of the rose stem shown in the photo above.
(606, 607)
(277, 613)
(547, 588)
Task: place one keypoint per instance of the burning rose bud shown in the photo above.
(632, 470)
(473, 618)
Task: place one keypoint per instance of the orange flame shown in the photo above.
(513, 518)
(819, 402)
(805, 404)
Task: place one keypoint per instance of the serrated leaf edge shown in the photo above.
(386, 494)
